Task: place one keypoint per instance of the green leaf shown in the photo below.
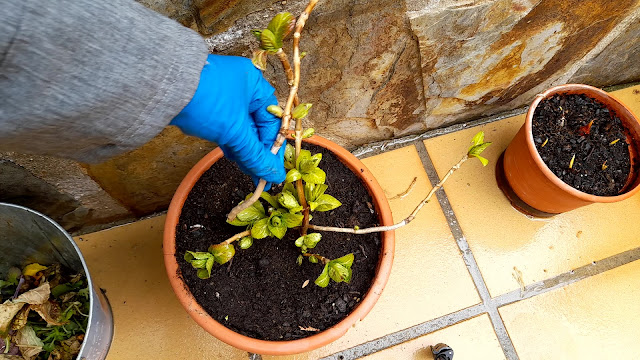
(308, 191)
(307, 165)
(482, 160)
(245, 242)
(299, 259)
(318, 190)
(268, 41)
(312, 205)
(260, 230)
(313, 259)
(275, 110)
(252, 214)
(311, 240)
(222, 252)
(259, 59)
(313, 191)
(293, 175)
(478, 149)
(287, 200)
(291, 220)
(295, 210)
(281, 25)
(304, 155)
(199, 264)
(257, 205)
(291, 189)
(203, 274)
(278, 231)
(209, 265)
(61, 289)
(315, 176)
(323, 279)
(270, 199)
(477, 139)
(308, 133)
(326, 202)
(300, 241)
(197, 255)
(256, 33)
(275, 219)
(346, 260)
(13, 275)
(339, 272)
(236, 222)
(289, 154)
(301, 111)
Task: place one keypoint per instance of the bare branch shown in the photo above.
(235, 237)
(401, 223)
(406, 192)
(286, 117)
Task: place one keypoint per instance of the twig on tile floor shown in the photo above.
(406, 192)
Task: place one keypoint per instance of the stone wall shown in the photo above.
(376, 70)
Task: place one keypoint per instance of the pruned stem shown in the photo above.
(320, 258)
(235, 237)
(286, 117)
(402, 223)
(286, 65)
(406, 192)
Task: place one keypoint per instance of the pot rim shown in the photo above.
(573, 89)
(288, 347)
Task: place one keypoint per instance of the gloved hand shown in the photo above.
(230, 109)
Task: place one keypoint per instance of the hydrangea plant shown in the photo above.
(305, 190)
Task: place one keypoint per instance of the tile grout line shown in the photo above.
(564, 279)
(467, 255)
(407, 334)
(538, 288)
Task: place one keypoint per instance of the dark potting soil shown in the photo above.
(561, 130)
(260, 292)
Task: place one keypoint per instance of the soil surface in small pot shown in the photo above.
(260, 292)
(571, 125)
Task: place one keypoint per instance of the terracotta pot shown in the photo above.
(533, 188)
(278, 347)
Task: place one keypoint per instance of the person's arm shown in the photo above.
(87, 79)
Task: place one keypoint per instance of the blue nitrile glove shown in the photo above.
(230, 109)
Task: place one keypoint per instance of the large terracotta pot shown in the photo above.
(533, 188)
(279, 347)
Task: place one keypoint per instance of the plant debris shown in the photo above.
(44, 314)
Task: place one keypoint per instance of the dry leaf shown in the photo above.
(20, 319)
(67, 351)
(50, 312)
(32, 269)
(39, 295)
(304, 284)
(30, 345)
(308, 328)
(8, 311)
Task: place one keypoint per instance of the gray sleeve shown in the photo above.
(89, 79)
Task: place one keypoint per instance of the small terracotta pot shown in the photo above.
(279, 347)
(533, 188)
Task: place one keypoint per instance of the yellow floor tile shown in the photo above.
(472, 339)
(509, 246)
(427, 261)
(149, 321)
(596, 318)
